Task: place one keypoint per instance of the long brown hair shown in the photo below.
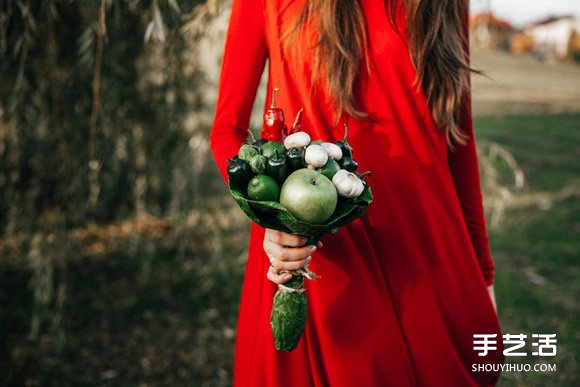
(436, 47)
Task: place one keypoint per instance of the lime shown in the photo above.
(269, 149)
(263, 188)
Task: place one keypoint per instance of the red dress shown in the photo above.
(403, 289)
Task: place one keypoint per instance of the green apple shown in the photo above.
(309, 196)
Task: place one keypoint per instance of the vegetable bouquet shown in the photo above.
(299, 186)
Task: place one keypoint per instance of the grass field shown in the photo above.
(536, 248)
(528, 107)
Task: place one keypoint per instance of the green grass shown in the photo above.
(536, 251)
(546, 146)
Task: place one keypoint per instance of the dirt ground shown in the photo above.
(522, 85)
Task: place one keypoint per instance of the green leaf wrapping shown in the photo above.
(275, 216)
(288, 316)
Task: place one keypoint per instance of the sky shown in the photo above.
(521, 12)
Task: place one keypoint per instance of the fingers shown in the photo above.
(284, 239)
(280, 266)
(277, 278)
(286, 254)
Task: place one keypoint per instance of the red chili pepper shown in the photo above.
(274, 128)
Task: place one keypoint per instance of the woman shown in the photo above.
(403, 289)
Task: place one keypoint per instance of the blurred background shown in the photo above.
(121, 252)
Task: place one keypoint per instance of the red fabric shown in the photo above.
(403, 289)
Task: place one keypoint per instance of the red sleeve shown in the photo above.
(464, 167)
(242, 66)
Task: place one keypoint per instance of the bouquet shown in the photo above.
(299, 186)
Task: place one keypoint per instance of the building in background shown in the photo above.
(552, 38)
(555, 38)
(488, 32)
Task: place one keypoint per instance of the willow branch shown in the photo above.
(97, 81)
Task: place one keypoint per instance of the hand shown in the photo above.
(491, 292)
(286, 252)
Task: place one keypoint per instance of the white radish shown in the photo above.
(315, 156)
(297, 140)
(333, 150)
